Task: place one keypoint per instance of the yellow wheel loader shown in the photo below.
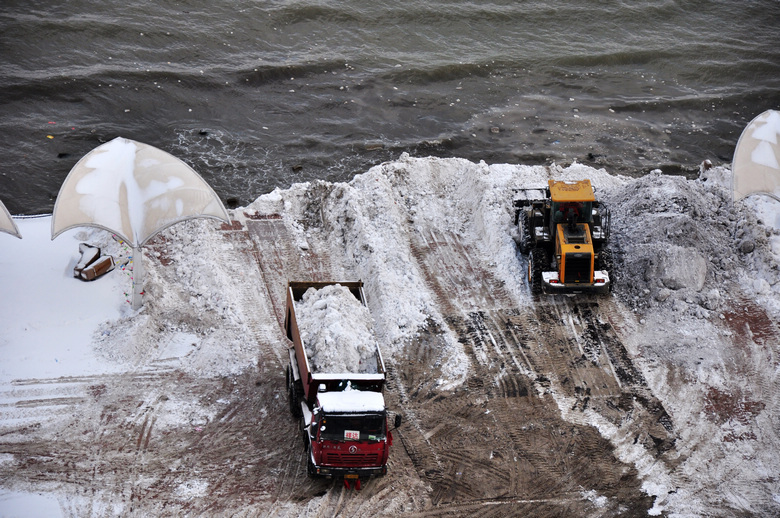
(564, 230)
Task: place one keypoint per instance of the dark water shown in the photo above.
(260, 94)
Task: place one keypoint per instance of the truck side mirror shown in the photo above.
(397, 420)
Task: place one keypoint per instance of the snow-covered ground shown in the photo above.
(691, 267)
(48, 316)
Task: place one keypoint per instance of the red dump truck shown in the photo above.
(335, 380)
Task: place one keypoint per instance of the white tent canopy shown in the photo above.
(7, 224)
(135, 191)
(756, 166)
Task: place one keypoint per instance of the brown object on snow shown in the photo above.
(92, 265)
(89, 254)
(100, 267)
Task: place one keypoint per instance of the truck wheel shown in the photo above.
(292, 395)
(537, 262)
(304, 434)
(310, 469)
(524, 226)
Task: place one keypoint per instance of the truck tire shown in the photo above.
(304, 434)
(524, 227)
(311, 470)
(537, 262)
(292, 394)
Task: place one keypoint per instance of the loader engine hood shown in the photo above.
(574, 253)
(574, 256)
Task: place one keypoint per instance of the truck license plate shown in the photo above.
(351, 476)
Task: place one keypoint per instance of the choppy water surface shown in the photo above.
(260, 94)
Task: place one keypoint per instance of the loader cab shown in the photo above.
(576, 212)
(571, 203)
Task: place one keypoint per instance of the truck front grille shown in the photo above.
(350, 459)
(577, 269)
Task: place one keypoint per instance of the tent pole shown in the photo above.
(138, 277)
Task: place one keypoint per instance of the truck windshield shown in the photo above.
(353, 427)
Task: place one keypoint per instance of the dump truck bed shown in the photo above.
(325, 364)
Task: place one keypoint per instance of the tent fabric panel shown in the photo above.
(756, 164)
(7, 223)
(134, 190)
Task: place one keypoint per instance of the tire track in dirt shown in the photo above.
(582, 359)
(37, 401)
(629, 404)
(505, 439)
(89, 450)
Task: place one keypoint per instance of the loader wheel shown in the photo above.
(537, 262)
(524, 226)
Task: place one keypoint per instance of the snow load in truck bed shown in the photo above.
(337, 331)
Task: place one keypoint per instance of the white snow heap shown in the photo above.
(337, 331)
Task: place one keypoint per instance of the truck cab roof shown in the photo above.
(351, 401)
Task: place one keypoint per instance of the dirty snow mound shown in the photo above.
(337, 331)
(680, 243)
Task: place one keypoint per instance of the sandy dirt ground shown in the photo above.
(661, 398)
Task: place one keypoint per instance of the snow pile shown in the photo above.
(188, 298)
(701, 274)
(681, 243)
(361, 223)
(337, 331)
